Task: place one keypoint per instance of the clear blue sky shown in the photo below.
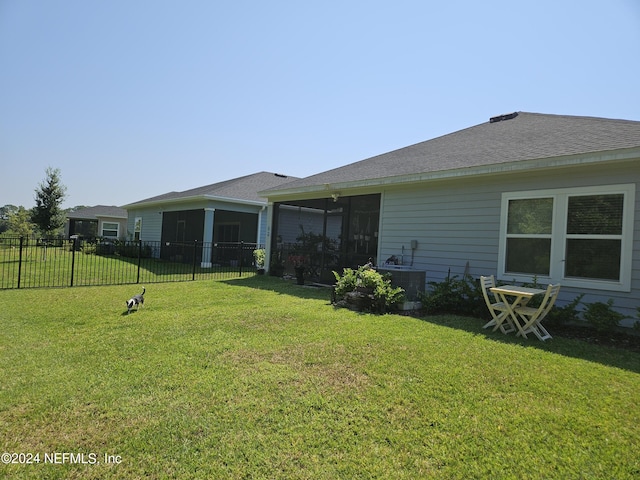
(135, 98)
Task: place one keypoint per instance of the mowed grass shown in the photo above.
(257, 378)
(60, 267)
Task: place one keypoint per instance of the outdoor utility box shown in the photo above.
(413, 281)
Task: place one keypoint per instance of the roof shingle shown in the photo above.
(91, 213)
(516, 137)
(244, 188)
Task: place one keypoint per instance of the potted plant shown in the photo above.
(299, 267)
(366, 289)
(259, 255)
(276, 266)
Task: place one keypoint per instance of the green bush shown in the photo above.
(346, 282)
(259, 256)
(562, 315)
(132, 250)
(369, 290)
(90, 248)
(460, 296)
(602, 316)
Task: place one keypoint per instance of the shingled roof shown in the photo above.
(505, 139)
(241, 190)
(92, 213)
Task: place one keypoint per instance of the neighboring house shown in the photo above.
(524, 196)
(225, 212)
(94, 222)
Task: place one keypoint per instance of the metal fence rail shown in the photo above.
(29, 263)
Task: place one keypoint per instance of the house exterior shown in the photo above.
(230, 211)
(524, 197)
(101, 221)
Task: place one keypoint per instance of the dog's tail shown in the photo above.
(143, 290)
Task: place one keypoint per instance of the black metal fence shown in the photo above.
(27, 263)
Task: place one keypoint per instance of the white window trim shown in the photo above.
(559, 236)
(102, 228)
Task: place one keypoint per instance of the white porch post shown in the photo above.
(207, 247)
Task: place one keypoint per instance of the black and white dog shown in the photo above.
(135, 301)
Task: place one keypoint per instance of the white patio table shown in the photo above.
(517, 296)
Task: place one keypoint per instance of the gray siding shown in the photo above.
(457, 223)
(262, 227)
(152, 216)
(151, 224)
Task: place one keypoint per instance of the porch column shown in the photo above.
(207, 241)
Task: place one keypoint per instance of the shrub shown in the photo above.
(602, 316)
(461, 296)
(90, 248)
(132, 250)
(367, 289)
(345, 283)
(259, 256)
(563, 315)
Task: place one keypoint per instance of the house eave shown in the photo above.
(111, 216)
(195, 198)
(327, 189)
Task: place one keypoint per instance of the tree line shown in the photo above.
(46, 218)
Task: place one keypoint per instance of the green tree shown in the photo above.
(20, 223)
(47, 214)
(5, 215)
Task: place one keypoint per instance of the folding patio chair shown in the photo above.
(533, 317)
(499, 311)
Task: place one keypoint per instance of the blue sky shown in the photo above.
(135, 98)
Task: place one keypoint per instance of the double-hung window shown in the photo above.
(579, 236)
(110, 229)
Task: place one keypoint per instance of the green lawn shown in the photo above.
(258, 378)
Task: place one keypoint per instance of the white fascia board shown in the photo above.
(256, 203)
(194, 199)
(110, 216)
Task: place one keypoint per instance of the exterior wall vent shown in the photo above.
(501, 118)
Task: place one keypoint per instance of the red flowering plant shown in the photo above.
(298, 260)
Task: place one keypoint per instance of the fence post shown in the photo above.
(241, 256)
(20, 261)
(139, 259)
(195, 251)
(73, 256)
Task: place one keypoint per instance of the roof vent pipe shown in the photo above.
(501, 118)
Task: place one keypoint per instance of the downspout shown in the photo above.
(264, 207)
(268, 236)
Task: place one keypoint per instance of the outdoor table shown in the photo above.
(519, 296)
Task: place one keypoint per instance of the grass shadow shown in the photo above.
(571, 347)
(281, 287)
(625, 359)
